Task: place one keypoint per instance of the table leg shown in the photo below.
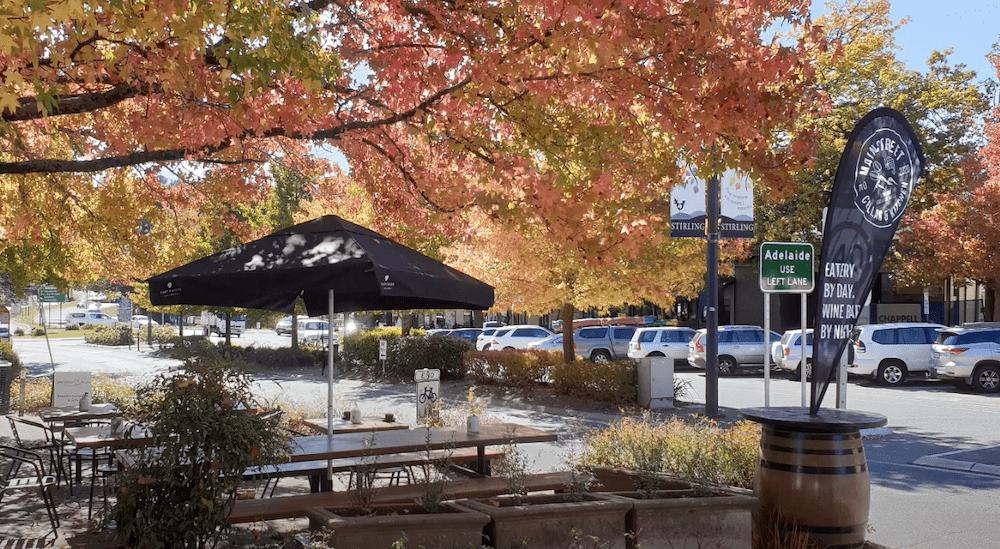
(481, 460)
(319, 483)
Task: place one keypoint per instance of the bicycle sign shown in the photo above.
(428, 386)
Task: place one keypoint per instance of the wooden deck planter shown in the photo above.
(452, 527)
(552, 521)
(678, 516)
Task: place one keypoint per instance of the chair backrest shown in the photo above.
(27, 425)
(17, 457)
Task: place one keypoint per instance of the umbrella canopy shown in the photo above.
(365, 270)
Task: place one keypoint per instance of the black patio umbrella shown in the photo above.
(365, 270)
(333, 265)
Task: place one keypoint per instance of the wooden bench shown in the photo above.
(252, 510)
(463, 459)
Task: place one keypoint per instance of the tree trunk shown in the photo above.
(229, 340)
(569, 356)
(407, 322)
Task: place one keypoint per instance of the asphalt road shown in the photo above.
(915, 502)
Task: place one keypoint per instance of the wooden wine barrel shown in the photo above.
(812, 475)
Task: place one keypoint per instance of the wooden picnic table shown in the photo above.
(343, 426)
(72, 414)
(360, 444)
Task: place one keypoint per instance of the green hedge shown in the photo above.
(510, 368)
(111, 335)
(360, 353)
(616, 381)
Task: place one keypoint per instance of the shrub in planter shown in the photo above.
(204, 435)
(72, 327)
(700, 451)
(37, 331)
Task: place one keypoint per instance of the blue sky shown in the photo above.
(970, 27)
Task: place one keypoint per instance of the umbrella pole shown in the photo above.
(329, 391)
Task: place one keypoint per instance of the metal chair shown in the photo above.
(11, 479)
(50, 444)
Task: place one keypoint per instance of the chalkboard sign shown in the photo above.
(68, 388)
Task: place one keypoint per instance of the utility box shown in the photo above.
(656, 383)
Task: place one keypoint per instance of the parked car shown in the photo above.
(791, 352)
(470, 334)
(483, 338)
(284, 326)
(603, 343)
(79, 318)
(739, 346)
(140, 321)
(314, 332)
(436, 332)
(4, 332)
(666, 341)
(889, 353)
(551, 343)
(515, 337)
(971, 355)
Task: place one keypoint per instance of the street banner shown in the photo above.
(878, 171)
(687, 206)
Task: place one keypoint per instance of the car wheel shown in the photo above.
(600, 357)
(891, 372)
(987, 378)
(727, 365)
(508, 349)
(796, 375)
(656, 354)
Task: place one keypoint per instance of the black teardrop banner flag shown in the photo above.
(878, 171)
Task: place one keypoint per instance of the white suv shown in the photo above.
(790, 353)
(515, 337)
(667, 341)
(970, 355)
(889, 353)
(90, 317)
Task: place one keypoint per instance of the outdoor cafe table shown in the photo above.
(103, 437)
(342, 426)
(361, 444)
(72, 414)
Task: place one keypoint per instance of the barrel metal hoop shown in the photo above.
(794, 435)
(814, 451)
(790, 468)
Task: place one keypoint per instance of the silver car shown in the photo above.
(739, 346)
(972, 356)
(666, 341)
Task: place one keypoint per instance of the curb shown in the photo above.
(941, 461)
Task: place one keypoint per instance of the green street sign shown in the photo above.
(50, 295)
(786, 267)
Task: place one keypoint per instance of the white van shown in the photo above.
(889, 353)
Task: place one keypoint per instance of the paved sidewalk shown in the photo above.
(979, 460)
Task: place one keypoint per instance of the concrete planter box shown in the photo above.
(453, 527)
(553, 521)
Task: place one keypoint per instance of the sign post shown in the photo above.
(786, 267)
(428, 387)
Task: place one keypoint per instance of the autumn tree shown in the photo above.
(959, 237)
(441, 109)
(942, 104)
